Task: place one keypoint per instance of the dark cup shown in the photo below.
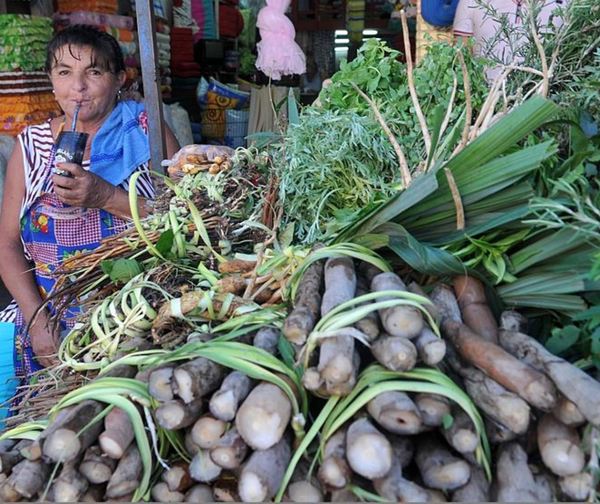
(70, 146)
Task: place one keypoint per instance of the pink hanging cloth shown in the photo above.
(278, 53)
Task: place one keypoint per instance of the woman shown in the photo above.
(46, 216)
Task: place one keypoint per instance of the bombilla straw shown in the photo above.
(74, 122)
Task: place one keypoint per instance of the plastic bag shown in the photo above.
(179, 121)
(278, 52)
(198, 157)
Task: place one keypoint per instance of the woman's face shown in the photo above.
(76, 80)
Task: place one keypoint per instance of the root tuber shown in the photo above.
(196, 378)
(439, 468)
(207, 431)
(369, 453)
(224, 402)
(230, 451)
(118, 433)
(396, 412)
(263, 416)
(474, 307)
(395, 352)
(559, 447)
(402, 320)
(307, 305)
(263, 473)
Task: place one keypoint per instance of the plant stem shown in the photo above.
(411, 83)
(406, 177)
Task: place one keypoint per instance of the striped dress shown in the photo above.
(52, 231)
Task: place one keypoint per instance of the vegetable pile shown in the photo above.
(396, 300)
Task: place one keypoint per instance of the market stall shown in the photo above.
(393, 296)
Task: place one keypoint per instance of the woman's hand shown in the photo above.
(82, 188)
(43, 342)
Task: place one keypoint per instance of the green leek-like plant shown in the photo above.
(252, 361)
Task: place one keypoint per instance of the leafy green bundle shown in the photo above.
(338, 159)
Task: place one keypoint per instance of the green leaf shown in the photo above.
(447, 421)
(293, 115)
(421, 257)
(121, 270)
(287, 352)
(165, 242)
(418, 190)
(595, 348)
(562, 339)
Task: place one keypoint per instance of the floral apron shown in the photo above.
(52, 232)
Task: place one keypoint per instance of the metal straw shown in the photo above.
(74, 123)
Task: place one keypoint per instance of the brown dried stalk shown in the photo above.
(468, 101)
(411, 83)
(404, 169)
(460, 211)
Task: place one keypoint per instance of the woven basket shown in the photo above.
(426, 34)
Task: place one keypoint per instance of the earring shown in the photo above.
(53, 92)
(119, 94)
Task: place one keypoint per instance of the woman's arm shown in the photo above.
(84, 189)
(14, 268)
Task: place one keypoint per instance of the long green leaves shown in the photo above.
(115, 391)
(478, 169)
(338, 250)
(375, 380)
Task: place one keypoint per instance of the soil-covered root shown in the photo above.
(396, 353)
(225, 401)
(230, 450)
(475, 309)
(161, 493)
(559, 447)
(73, 432)
(207, 431)
(199, 493)
(177, 477)
(368, 451)
(514, 480)
(25, 481)
(334, 471)
(304, 491)
(430, 348)
(159, 383)
(402, 320)
(340, 283)
(504, 368)
(262, 474)
(197, 378)
(461, 435)
(263, 416)
(70, 486)
(396, 412)
(433, 408)
(96, 466)
(477, 488)
(203, 469)
(576, 385)
(118, 433)
(438, 467)
(307, 305)
(577, 487)
(174, 415)
(567, 412)
(266, 339)
(127, 476)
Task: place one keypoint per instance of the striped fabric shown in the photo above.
(36, 145)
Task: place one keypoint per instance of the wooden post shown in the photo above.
(150, 74)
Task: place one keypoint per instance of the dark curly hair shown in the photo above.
(106, 51)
